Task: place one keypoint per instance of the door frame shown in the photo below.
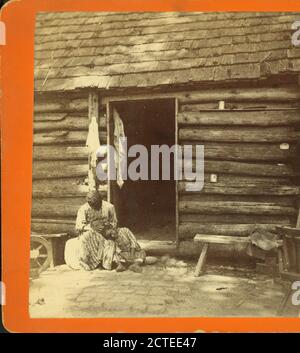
(109, 102)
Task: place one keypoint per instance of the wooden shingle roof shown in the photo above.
(120, 50)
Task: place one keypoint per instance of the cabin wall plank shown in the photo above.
(67, 187)
(60, 161)
(188, 230)
(243, 146)
(249, 146)
(262, 118)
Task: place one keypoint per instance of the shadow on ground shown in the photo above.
(166, 289)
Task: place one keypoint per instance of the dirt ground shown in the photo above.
(166, 289)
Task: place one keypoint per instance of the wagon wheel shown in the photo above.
(40, 253)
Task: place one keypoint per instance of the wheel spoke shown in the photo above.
(40, 250)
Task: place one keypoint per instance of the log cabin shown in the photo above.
(228, 81)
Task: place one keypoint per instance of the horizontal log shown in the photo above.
(245, 151)
(237, 219)
(61, 105)
(256, 95)
(69, 122)
(60, 188)
(244, 180)
(60, 153)
(189, 230)
(230, 152)
(197, 107)
(234, 207)
(53, 226)
(232, 253)
(59, 169)
(289, 232)
(64, 137)
(238, 134)
(221, 239)
(242, 106)
(282, 200)
(49, 117)
(223, 151)
(240, 168)
(242, 188)
(243, 118)
(56, 207)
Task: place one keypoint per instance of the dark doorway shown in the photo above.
(148, 207)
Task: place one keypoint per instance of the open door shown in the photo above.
(147, 207)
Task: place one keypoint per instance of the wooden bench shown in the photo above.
(214, 239)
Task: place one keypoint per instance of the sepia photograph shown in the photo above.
(165, 165)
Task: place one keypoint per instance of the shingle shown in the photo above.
(110, 50)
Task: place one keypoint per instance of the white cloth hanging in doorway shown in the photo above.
(93, 141)
(120, 156)
(93, 145)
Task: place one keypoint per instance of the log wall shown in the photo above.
(249, 146)
(245, 145)
(60, 161)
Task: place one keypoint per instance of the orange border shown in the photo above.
(17, 108)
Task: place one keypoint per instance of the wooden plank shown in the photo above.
(49, 117)
(234, 207)
(58, 81)
(197, 107)
(280, 260)
(237, 219)
(244, 188)
(282, 200)
(188, 230)
(93, 105)
(51, 236)
(60, 104)
(176, 181)
(56, 207)
(109, 125)
(243, 168)
(112, 35)
(298, 218)
(240, 134)
(242, 106)
(244, 151)
(58, 169)
(60, 188)
(243, 118)
(63, 137)
(220, 239)
(202, 260)
(53, 226)
(257, 94)
(243, 180)
(290, 232)
(60, 152)
(119, 20)
(69, 122)
(230, 152)
(49, 34)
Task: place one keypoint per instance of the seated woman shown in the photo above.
(90, 249)
(128, 251)
(100, 242)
